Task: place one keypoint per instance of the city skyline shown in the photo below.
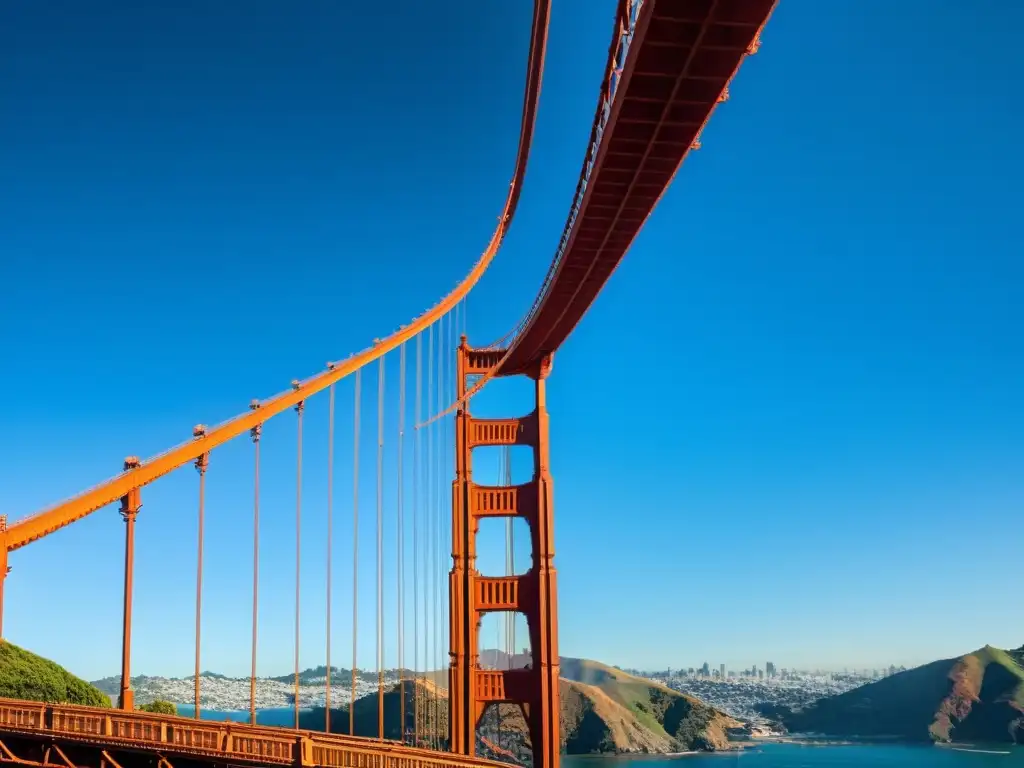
(800, 388)
(738, 669)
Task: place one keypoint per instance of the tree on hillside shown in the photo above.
(23, 675)
(159, 707)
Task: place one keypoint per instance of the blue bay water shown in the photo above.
(799, 756)
(766, 756)
(282, 716)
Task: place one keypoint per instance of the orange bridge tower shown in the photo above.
(534, 593)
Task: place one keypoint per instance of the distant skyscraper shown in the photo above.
(705, 670)
(769, 669)
(721, 671)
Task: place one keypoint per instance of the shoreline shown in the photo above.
(879, 741)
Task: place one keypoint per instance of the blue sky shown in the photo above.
(790, 429)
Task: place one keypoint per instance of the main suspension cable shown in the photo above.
(31, 528)
(330, 536)
(355, 553)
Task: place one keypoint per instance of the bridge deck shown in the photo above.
(678, 67)
(166, 737)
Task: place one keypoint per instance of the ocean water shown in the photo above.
(283, 716)
(766, 756)
(799, 756)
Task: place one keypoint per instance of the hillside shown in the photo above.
(316, 675)
(603, 710)
(220, 692)
(638, 715)
(312, 676)
(23, 675)
(431, 701)
(975, 697)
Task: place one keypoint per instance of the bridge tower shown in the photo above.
(534, 593)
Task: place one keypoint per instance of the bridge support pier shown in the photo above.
(534, 593)
(130, 505)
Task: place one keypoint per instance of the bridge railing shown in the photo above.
(225, 741)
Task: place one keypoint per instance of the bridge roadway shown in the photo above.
(70, 736)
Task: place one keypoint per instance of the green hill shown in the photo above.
(23, 675)
(603, 710)
(638, 714)
(318, 674)
(431, 701)
(975, 697)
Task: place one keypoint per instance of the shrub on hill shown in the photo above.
(159, 707)
(23, 675)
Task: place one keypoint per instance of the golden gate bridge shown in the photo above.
(669, 64)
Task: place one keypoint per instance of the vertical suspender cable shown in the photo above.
(511, 541)
(439, 500)
(298, 544)
(444, 499)
(380, 549)
(401, 544)
(355, 553)
(443, 508)
(499, 643)
(417, 688)
(435, 565)
(255, 434)
(511, 565)
(430, 535)
(330, 537)
(453, 393)
(436, 533)
(496, 707)
(201, 464)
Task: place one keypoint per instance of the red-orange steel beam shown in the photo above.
(60, 515)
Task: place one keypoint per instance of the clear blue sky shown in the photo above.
(790, 429)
